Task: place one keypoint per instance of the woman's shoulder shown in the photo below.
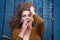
(16, 31)
(15, 34)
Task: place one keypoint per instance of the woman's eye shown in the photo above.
(29, 15)
(24, 16)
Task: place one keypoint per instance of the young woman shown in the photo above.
(23, 24)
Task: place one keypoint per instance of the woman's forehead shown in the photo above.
(26, 12)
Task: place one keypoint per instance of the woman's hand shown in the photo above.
(29, 24)
(26, 26)
(32, 10)
(23, 29)
(28, 30)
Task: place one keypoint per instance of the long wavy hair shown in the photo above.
(15, 22)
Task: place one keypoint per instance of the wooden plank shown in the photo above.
(1, 16)
(47, 15)
(38, 7)
(2, 4)
(8, 15)
(56, 19)
(1, 22)
(10, 9)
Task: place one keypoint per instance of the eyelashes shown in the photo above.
(29, 15)
(26, 15)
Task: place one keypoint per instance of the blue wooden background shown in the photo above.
(47, 9)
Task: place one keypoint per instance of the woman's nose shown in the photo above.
(27, 18)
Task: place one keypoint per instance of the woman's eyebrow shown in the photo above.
(29, 14)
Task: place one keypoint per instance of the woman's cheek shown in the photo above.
(23, 20)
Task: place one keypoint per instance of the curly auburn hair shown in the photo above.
(15, 22)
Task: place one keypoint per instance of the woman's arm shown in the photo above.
(40, 25)
(39, 21)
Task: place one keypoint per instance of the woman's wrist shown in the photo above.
(33, 12)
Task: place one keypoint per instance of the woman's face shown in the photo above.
(26, 15)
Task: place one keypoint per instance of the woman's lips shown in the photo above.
(28, 21)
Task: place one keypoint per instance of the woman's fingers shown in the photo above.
(32, 10)
(23, 29)
(29, 24)
(25, 22)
